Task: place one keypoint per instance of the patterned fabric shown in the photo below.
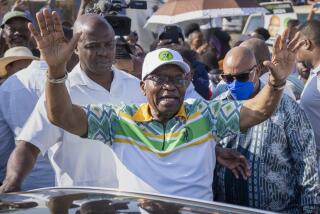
(202, 121)
(176, 158)
(220, 89)
(282, 156)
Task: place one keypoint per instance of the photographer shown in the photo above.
(126, 59)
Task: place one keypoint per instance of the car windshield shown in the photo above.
(254, 22)
(302, 17)
(80, 201)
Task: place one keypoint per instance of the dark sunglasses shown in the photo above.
(243, 77)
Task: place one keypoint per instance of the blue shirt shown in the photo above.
(18, 96)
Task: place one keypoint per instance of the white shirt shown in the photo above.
(18, 96)
(78, 161)
(310, 102)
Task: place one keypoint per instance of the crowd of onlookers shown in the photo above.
(282, 152)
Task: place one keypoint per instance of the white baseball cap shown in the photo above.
(162, 56)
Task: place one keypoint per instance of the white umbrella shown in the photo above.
(201, 11)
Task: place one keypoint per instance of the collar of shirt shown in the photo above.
(143, 113)
(315, 71)
(79, 77)
(39, 64)
(35, 65)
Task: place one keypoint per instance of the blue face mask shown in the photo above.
(241, 90)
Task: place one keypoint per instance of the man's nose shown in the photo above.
(103, 51)
(17, 32)
(169, 85)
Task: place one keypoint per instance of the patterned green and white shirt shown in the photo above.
(176, 158)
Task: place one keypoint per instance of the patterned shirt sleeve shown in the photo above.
(303, 150)
(99, 122)
(224, 117)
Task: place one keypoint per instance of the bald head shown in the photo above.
(96, 46)
(237, 60)
(259, 49)
(91, 23)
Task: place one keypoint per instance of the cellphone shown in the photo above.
(316, 5)
(171, 32)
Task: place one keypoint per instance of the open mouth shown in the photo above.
(168, 98)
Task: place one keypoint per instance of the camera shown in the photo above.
(110, 10)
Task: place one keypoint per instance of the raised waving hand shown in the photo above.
(53, 46)
(283, 57)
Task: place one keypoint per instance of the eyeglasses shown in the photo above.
(243, 77)
(14, 29)
(160, 80)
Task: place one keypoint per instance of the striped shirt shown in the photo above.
(176, 158)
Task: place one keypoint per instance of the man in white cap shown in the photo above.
(168, 144)
(15, 59)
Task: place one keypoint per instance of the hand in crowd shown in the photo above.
(8, 186)
(234, 161)
(51, 42)
(203, 48)
(83, 5)
(20, 5)
(312, 12)
(85, 2)
(3, 5)
(283, 58)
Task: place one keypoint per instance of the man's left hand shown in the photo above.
(234, 161)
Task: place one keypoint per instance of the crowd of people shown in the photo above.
(193, 116)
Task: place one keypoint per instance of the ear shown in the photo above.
(307, 44)
(189, 75)
(260, 69)
(258, 74)
(76, 50)
(143, 88)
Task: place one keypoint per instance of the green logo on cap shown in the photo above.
(165, 56)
